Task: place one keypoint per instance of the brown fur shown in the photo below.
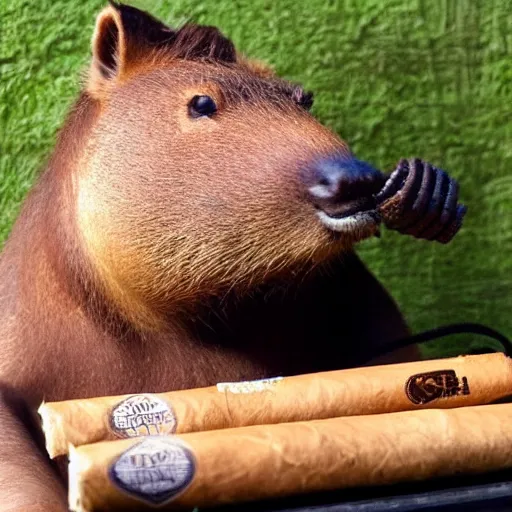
(159, 252)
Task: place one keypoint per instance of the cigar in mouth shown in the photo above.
(421, 200)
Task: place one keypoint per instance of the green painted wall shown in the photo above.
(395, 78)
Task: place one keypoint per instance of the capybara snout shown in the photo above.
(342, 185)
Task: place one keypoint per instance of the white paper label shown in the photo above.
(250, 386)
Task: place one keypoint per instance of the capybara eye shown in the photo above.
(200, 106)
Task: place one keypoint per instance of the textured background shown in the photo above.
(427, 78)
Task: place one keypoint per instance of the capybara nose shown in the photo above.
(341, 185)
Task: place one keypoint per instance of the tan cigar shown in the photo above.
(445, 383)
(264, 461)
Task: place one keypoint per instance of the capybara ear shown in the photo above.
(127, 39)
(124, 37)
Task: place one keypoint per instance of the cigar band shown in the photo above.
(155, 470)
(142, 415)
(249, 386)
(423, 388)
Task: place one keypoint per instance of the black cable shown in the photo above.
(447, 330)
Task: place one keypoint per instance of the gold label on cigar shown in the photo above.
(155, 470)
(423, 388)
(142, 415)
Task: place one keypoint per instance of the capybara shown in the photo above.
(194, 224)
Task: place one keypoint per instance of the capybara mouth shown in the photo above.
(349, 208)
(360, 220)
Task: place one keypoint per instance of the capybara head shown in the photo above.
(204, 171)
